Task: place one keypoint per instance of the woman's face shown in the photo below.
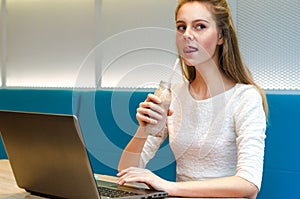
(197, 36)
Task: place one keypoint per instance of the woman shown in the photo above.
(217, 119)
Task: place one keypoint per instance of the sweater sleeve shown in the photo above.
(250, 123)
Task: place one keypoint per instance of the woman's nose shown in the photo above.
(188, 35)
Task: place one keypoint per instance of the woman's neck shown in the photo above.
(209, 82)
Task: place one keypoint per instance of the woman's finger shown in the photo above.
(153, 98)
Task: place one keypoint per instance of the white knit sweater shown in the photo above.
(221, 136)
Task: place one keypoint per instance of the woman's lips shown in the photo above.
(189, 49)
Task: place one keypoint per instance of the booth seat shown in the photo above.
(107, 120)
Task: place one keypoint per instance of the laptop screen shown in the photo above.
(47, 154)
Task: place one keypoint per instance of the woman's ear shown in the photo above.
(220, 39)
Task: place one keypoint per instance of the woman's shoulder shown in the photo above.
(180, 87)
(246, 90)
(245, 94)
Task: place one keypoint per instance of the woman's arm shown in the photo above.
(233, 186)
(148, 112)
(131, 154)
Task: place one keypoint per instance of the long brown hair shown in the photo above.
(230, 61)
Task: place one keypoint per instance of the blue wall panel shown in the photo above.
(282, 152)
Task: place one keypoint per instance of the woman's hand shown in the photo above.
(134, 174)
(150, 110)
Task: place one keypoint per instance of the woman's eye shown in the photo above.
(181, 28)
(200, 26)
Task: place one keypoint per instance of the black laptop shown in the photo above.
(48, 158)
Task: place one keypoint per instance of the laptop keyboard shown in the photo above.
(114, 193)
